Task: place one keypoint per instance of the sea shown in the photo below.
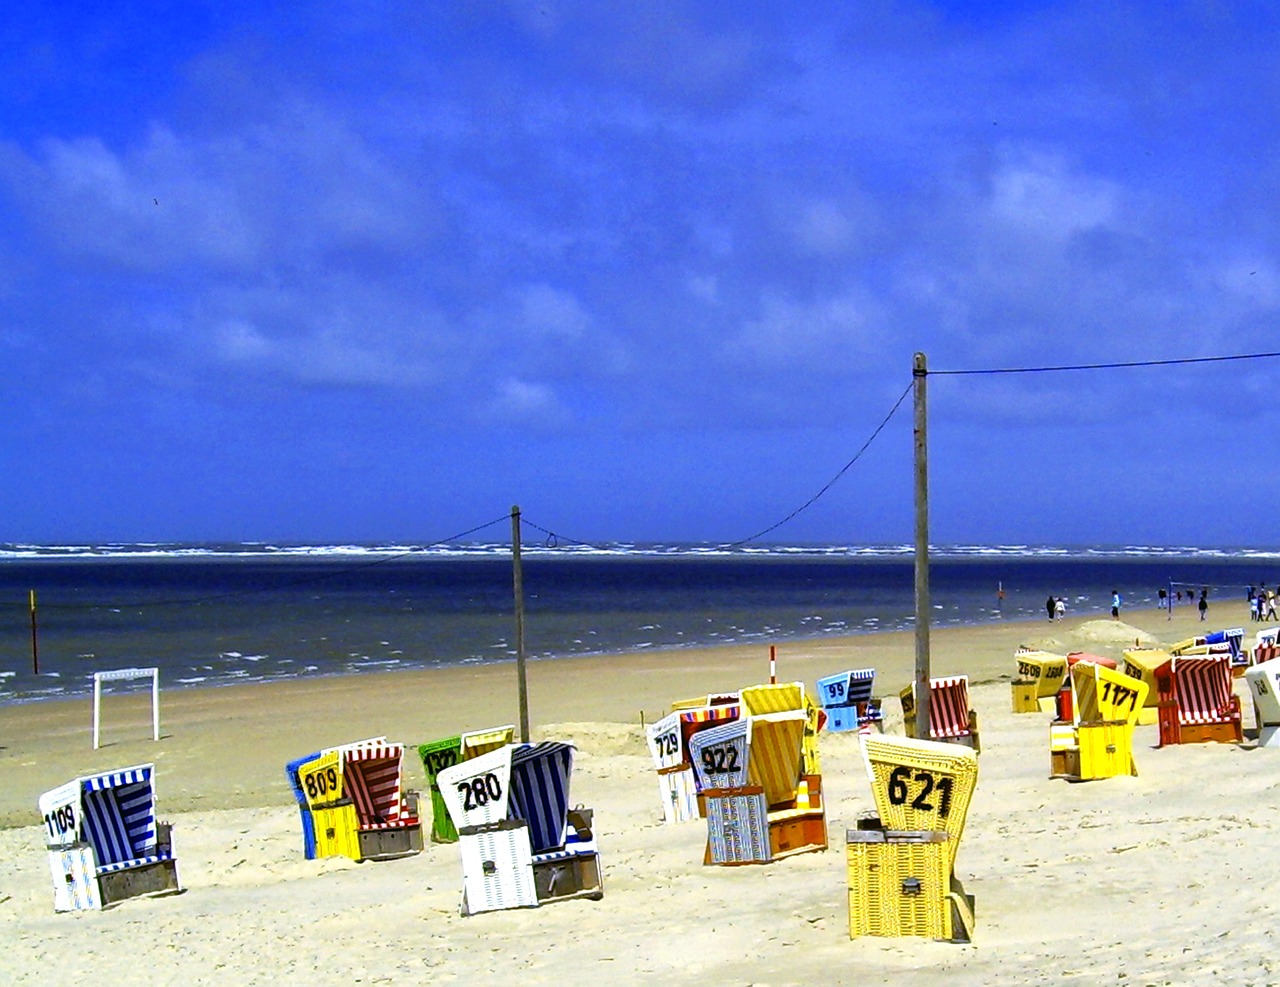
(221, 614)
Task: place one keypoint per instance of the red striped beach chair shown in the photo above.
(358, 806)
(104, 842)
(950, 717)
(1197, 704)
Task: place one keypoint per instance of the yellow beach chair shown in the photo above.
(1145, 664)
(1106, 705)
(1040, 675)
(901, 867)
(782, 697)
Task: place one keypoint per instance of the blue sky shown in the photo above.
(378, 271)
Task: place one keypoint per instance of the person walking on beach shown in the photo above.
(1115, 604)
(1060, 608)
(1204, 603)
(1048, 605)
(1271, 606)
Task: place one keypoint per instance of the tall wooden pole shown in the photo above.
(35, 637)
(919, 373)
(518, 584)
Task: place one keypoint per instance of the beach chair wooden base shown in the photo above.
(390, 843)
(737, 827)
(80, 885)
(802, 826)
(576, 876)
(899, 885)
(1227, 731)
(152, 880)
(679, 796)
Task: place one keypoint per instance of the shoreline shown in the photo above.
(49, 741)
(764, 640)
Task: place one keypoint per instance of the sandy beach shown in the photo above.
(1157, 879)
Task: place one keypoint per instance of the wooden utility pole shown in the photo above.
(518, 582)
(35, 637)
(919, 374)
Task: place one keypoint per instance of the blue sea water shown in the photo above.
(222, 614)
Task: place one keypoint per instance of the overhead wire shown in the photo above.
(1123, 365)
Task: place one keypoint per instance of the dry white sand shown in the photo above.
(1165, 878)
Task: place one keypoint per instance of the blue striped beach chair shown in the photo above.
(522, 844)
(104, 842)
(846, 697)
(761, 804)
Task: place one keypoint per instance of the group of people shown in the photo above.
(1056, 606)
(1262, 604)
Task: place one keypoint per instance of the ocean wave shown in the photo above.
(961, 551)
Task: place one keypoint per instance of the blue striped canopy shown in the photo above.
(540, 776)
(119, 818)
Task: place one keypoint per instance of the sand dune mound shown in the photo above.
(1114, 632)
(598, 738)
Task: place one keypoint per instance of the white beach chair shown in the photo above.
(104, 842)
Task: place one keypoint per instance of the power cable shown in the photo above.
(1104, 366)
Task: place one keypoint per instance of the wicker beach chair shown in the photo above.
(304, 807)
(781, 697)
(847, 701)
(358, 806)
(1197, 703)
(951, 720)
(1144, 664)
(1040, 675)
(901, 865)
(105, 844)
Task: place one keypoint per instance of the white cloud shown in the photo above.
(1040, 196)
(823, 334)
(522, 402)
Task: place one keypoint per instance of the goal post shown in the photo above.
(120, 675)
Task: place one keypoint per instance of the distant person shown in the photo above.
(1060, 608)
(1255, 608)
(1049, 605)
(1271, 606)
(1115, 604)
(1204, 603)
